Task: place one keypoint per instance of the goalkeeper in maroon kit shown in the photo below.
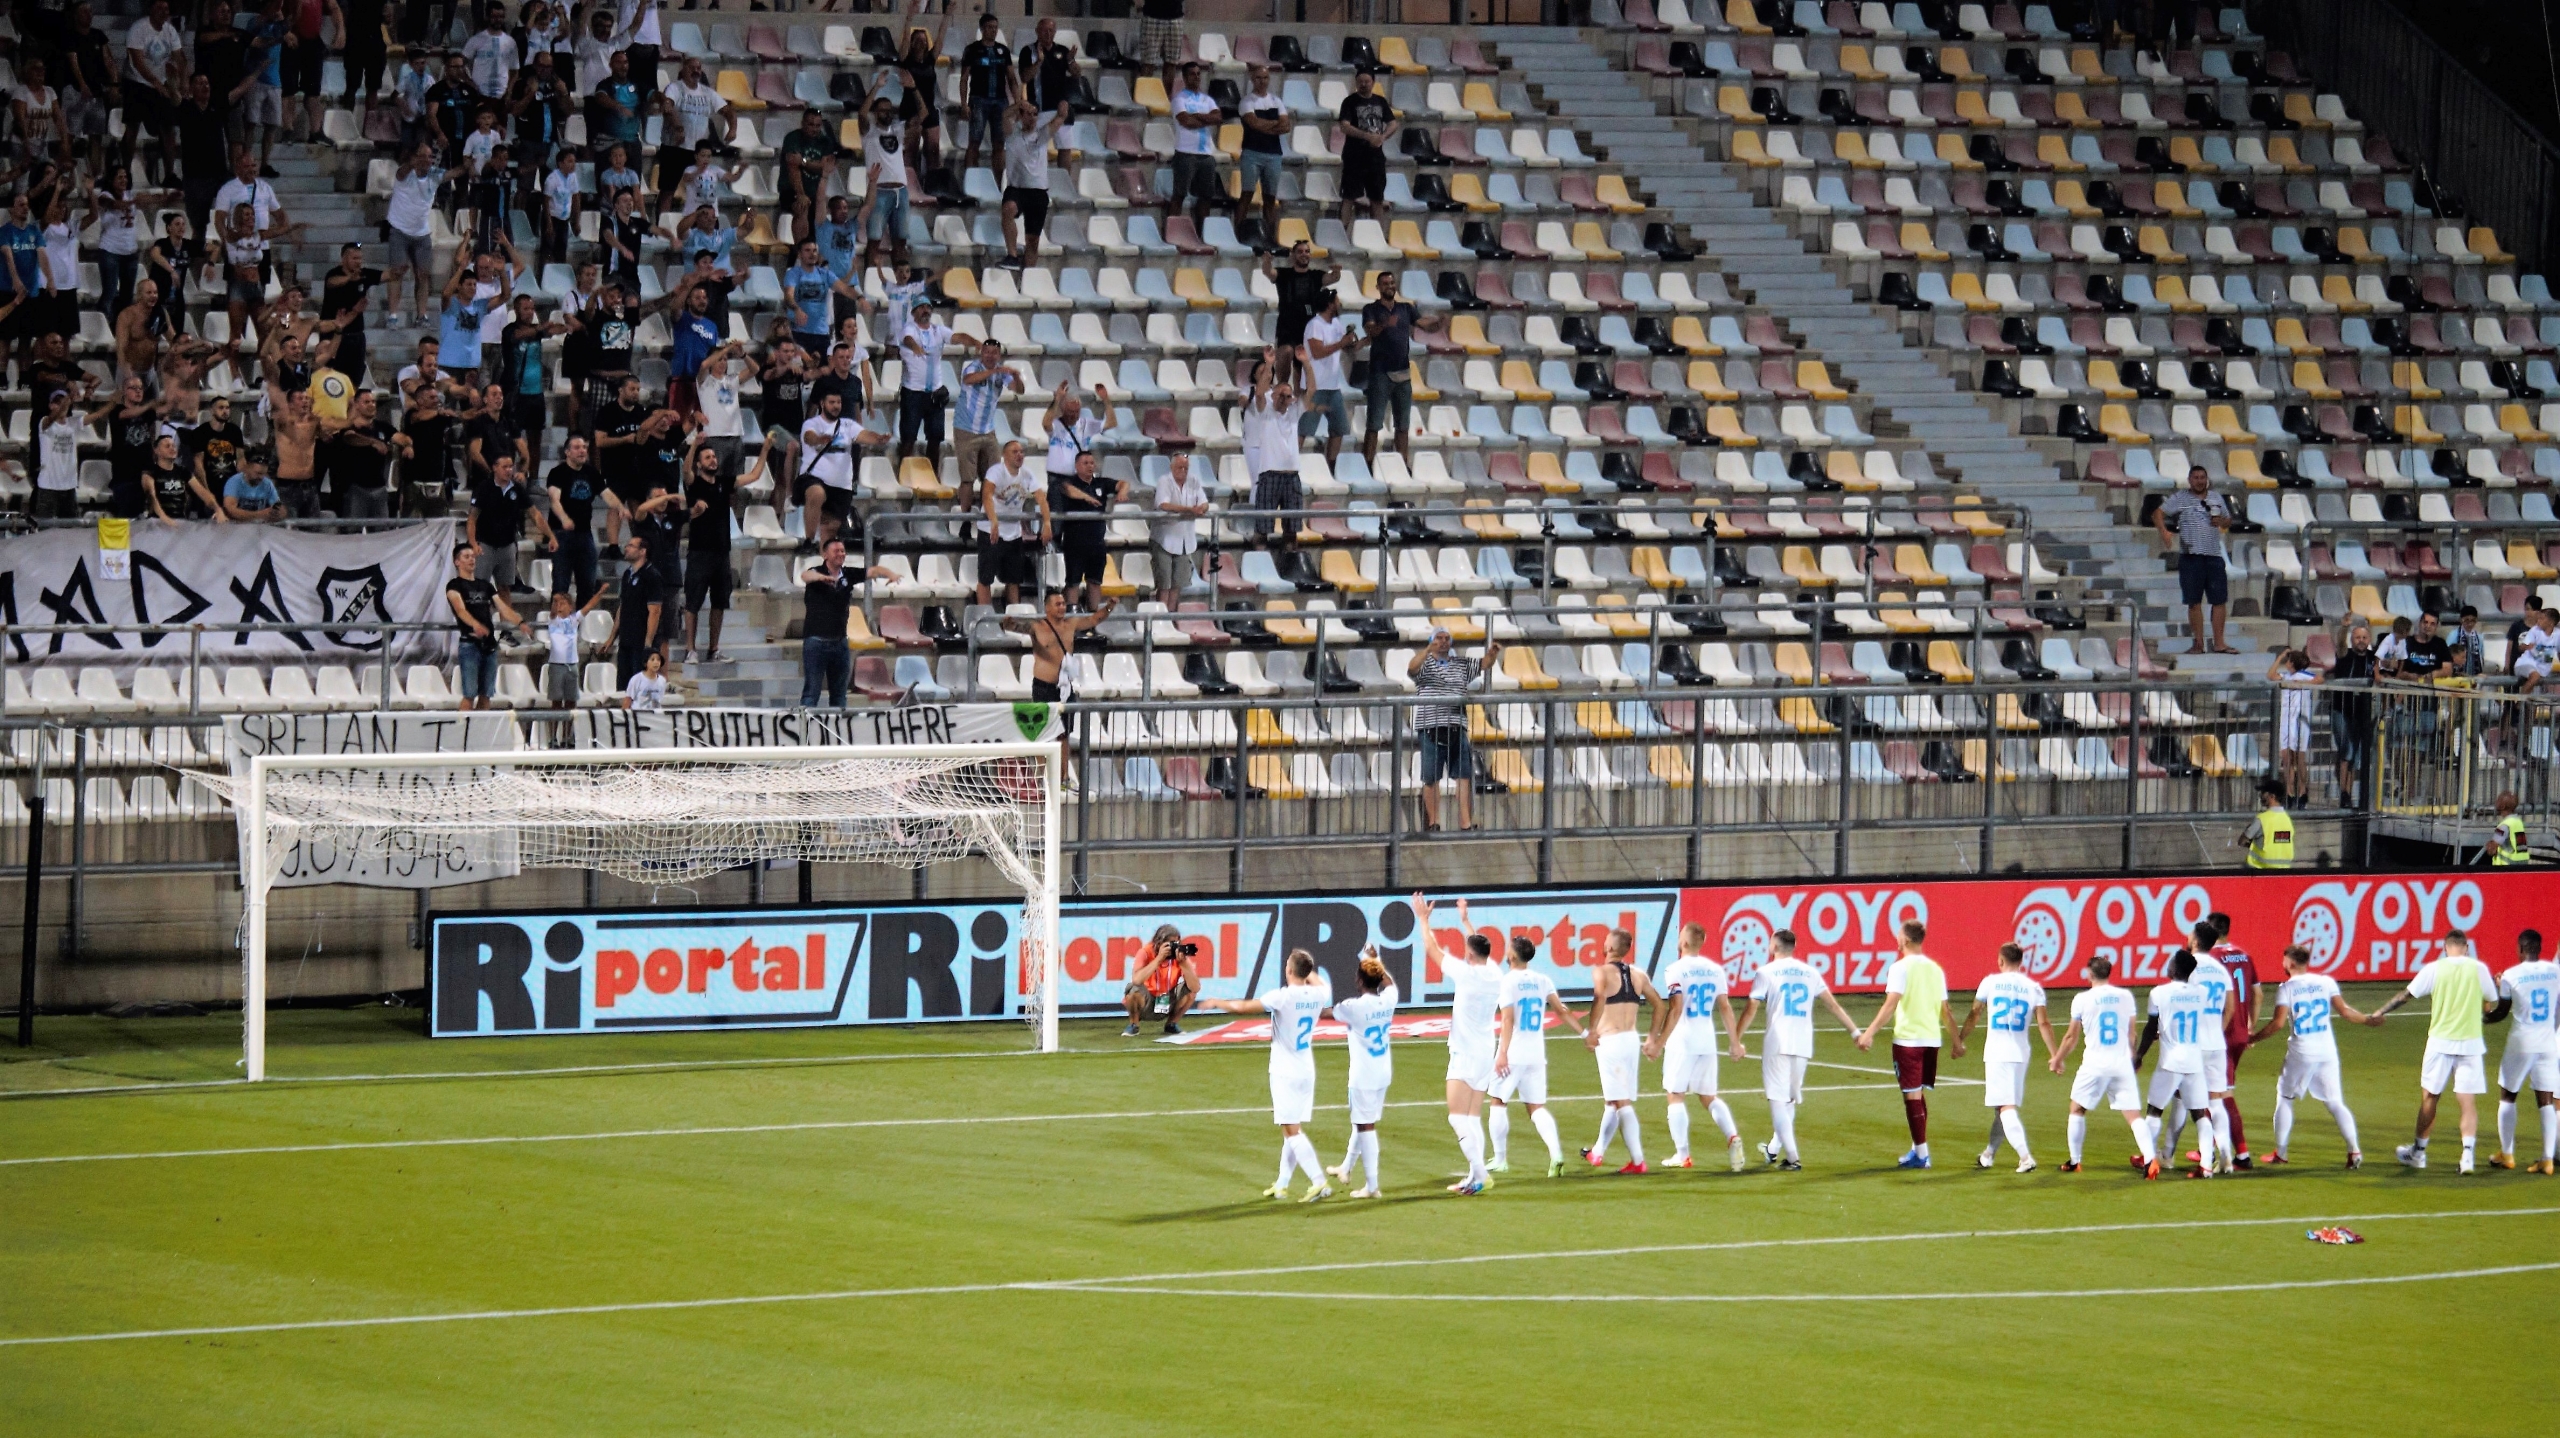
(2242, 1021)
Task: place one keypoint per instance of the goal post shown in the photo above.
(664, 816)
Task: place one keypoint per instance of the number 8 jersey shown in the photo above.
(2106, 1019)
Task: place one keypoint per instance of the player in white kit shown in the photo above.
(1293, 1008)
(2306, 1003)
(2213, 1050)
(2104, 1015)
(1368, 1016)
(1689, 1034)
(2008, 1001)
(1787, 987)
(2181, 1010)
(2529, 1002)
(1529, 1005)
(1475, 999)
(1616, 1038)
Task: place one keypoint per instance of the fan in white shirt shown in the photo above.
(2009, 1001)
(1529, 1005)
(1689, 1034)
(1475, 1001)
(1293, 1007)
(2104, 1015)
(1370, 1018)
(1787, 987)
(2305, 1006)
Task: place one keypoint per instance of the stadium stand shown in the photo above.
(1837, 351)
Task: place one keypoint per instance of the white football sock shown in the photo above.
(1500, 1123)
(1677, 1117)
(1784, 1111)
(2284, 1127)
(1545, 1123)
(1608, 1130)
(2470, 1145)
(2550, 1133)
(2016, 1127)
(2506, 1125)
(1368, 1144)
(2142, 1141)
(2346, 1118)
(1308, 1161)
(1351, 1155)
(1631, 1129)
(1991, 1145)
(1724, 1120)
(2175, 1121)
(2079, 1132)
(2221, 1119)
(1470, 1143)
(1288, 1161)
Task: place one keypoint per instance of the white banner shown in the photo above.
(747, 728)
(336, 584)
(396, 859)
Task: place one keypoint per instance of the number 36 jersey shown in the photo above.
(2106, 1020)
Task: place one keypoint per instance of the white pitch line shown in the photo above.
(1107, 1285)
(2446, 1275)
(810, 1126)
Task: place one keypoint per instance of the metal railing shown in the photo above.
(2445, 754)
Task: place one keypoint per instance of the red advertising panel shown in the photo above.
(2359, 927)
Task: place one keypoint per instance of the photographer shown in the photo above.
(1166, 979)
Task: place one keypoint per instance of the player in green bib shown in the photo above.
(1915, 1003)
(2460, 987)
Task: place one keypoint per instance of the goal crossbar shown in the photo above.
(268, 780)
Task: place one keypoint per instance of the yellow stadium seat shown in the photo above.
(2340, 291)
(1922, 245)
(1970, 110)
(1270, 774)
(2116, 423)
(1393, 54)
(1339, 569)
(1815, 377)
(1800, 715)
(2520, 554)
(1670, 764)
(1468, 192)
(2308, 378)
(1690, 335)
(1192, 287)
(2068, 109)
(1611, 190)
(2055, 151)
(1467, 333)
(1547, 472)
(1648, 565)
(2171, 290)
(1744, 16)
(2007, 714)
(1727, 428)
(1745, 146)
(1802, 568)
(1462, 623)
(1520, 663)
(2223, 423)
(1511, 769)
(1478, 97)
(1602, 720)
(962, 288)
(1285, 626)
(1913, 561)
(2412, 421)
(738, 90)
(1734, 103)
(1148, 92)
(1589, 238)
(858, 635)
(2484, 243)
(1951, 149)
(1708, 381)
(1522, 381)
(1976, 520)
(1795, 665)
(1946, 660)
(1406, 236)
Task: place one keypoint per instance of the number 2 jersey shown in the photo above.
(2306, 1005)
(2009, 1001)
(1695, 982)
(1369, 1018)
(2105, 1016)
(1293, 1009)
(1475, 1001)
(1524, 995)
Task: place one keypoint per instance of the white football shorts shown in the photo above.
(2309, 1078)
(1782, 1076)
(1687, 1070)
(1621, 1060)
(1525, 1083)
(2520, 1071)
(1472, 1067)
(2116, 1088)
(1293, 1097)
(2004, 1084)
(2172, 1088)
(2463, 1073)
(1368, 1103)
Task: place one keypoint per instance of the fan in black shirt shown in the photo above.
(707, 495)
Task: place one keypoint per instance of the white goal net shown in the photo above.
(662, 817)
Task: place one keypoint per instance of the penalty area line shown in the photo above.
(721, 1130)
(1157, 1284)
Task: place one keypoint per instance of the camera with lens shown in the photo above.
(1187, 949)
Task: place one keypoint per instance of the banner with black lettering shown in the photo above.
(394, 858)
(336, 586)
(786, 728)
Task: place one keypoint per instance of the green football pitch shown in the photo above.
(929, 1231)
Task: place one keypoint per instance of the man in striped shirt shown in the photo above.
(1440, 723)
(976, 437)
